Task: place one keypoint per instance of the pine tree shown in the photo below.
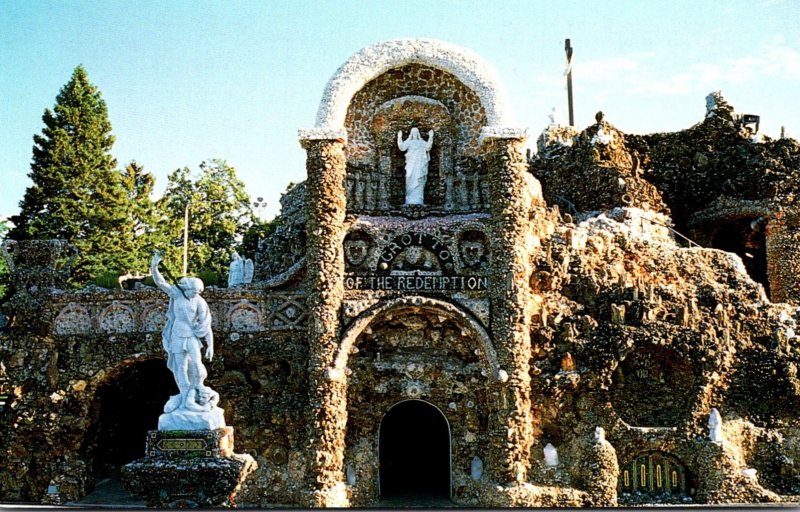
(139, 236)
(76, 193)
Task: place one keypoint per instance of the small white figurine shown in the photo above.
(715, 426)
(417, 158)
(476, 468)
(599, 435)
(550, 455)
(248, 271)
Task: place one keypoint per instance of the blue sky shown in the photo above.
(187, 81)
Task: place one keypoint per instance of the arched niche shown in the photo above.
(760, 372)
(415, 351)
(654, 477)
(410, 306)
(745, 237)
(652, 387)
(427, 98)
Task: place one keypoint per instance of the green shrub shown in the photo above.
(209, 277)
(108, 280)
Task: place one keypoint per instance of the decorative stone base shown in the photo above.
(188, 469)
(182, 419)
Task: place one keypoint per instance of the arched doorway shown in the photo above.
(654, 477)
(125, 408)
(414, 451)
(746, 238)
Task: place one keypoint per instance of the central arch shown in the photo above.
(372, 61)
(472, 329)
(414, 451)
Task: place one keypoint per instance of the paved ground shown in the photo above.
(109, 493)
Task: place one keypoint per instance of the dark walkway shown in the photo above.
(109, 493)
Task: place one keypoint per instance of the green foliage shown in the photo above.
(108, 280)
(209, 277)
(77, 194)
(258, 231)
(141, 215)
(219, 213)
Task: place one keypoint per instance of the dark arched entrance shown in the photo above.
(414, 451)
(124, 409)
(746, 238)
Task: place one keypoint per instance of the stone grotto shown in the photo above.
(608, 320)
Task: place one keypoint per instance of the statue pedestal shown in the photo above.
(183, 420)
(188, 469)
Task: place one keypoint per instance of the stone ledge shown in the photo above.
(499, 132)
(322, 133)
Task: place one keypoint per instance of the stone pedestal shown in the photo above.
(188, 469)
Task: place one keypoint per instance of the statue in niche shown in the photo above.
(188, 322)
(417, 157)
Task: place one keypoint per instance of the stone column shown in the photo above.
(783, 256)
(510, 433)
(327, 415)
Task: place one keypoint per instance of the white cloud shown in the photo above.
(605, 70)
(641, 75)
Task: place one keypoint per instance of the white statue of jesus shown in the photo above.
(417, 157)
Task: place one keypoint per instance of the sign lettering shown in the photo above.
(414, 283)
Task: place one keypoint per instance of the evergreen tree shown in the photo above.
(76, 193)
(139, 235)
(219, 215)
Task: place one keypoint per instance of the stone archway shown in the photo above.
(418, 350)
(372, 61)
(414, 451)
(472, 328)
(654, 477)
(745, 237)
(126, 405)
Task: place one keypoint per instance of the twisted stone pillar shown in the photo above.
(510, 431)
(326, 203)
